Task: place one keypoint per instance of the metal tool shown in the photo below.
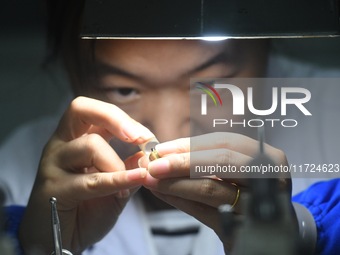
(58, 247)
(267, 226)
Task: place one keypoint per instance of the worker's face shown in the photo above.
(150, 79)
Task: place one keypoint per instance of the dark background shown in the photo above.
(27, 90)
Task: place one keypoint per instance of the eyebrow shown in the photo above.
(221, 57)
(103, 68)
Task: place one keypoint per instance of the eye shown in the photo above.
(122, 95)
(125, 91)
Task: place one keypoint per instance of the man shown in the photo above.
(137, 77)
(144, 81)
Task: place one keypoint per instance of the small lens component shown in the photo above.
(154, 154)
(149, 148)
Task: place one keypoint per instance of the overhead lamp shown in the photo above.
(204, 19)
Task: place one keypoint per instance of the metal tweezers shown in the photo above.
(58, 247)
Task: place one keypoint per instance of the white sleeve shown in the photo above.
(19, 159)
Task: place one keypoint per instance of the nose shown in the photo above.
(168, 115)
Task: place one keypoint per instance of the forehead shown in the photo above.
(167, 48)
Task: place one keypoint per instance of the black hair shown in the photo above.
(63, 41)
(63, 26)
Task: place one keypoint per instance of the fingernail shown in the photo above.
(166, 148)
(143, 162)
(136, 174)
(159, 167)
(134, 131)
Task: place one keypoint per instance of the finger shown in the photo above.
(88, 151)
(227, 140)
(88, 186)
(207, 191)
(180, 145)
(84, 112)
(193, 208)
(107, 136)
(133, 161)
(178, 165)
(223, 140)
(174, 165)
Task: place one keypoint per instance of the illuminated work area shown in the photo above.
(190, 127)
